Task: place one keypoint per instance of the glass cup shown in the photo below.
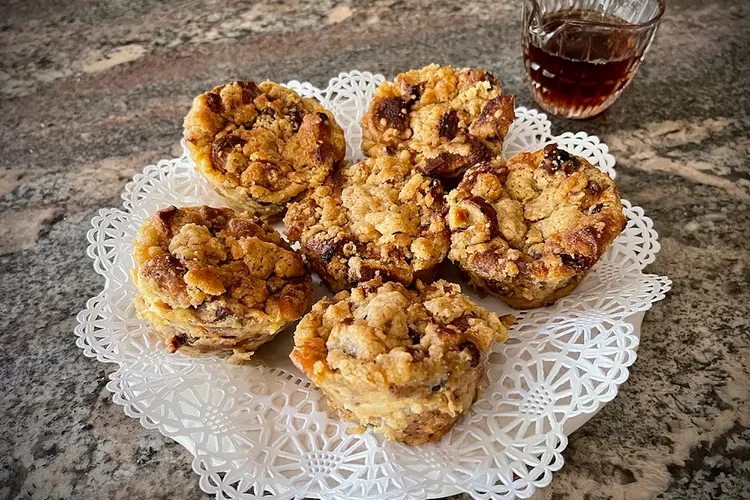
(580, 54)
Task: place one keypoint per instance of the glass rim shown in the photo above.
(654, 20)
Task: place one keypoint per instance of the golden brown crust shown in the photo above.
(262, 145)
(213, 280)
(450, 119)
(378, 217)
(529, 231)
(408, 362)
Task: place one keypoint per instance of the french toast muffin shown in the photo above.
(262, 145)
(530, 230)
(450, 119)
(409, 362)
(212, 280)
(378, 217)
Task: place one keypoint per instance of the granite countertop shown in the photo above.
(92, 91)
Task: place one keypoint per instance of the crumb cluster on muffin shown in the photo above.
(379, 217)
(212, 280)
(450, 119)
(262, 146)
(409, 362)
(529, 231)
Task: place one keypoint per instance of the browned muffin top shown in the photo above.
(544, 215)
(404, 342)
(450, 118)
(376, 217)
(218, 264)
(264, 138)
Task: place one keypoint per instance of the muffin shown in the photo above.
(262, 146)
(407, 362)
(211, 280)
(450, 119)
(378, 217)
(529, 231)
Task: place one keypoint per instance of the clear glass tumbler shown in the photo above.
(580, 54)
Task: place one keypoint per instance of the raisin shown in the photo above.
(295, 118)
(577, 262)
(221, 313)
(495, 118)
(166, 219)
(323, 152)
(221, 146)
(244, 227)
(177, 341)
(489, 212)
(328, 254)
(473, 351)
(167, 271)
(213, 101)
(552, 152)
(393, 111)
(446, 165)
(415, 336)
(594, 188)
(249, 91)
(449, 124)
(415, 93)
(491, 79)
(462, 322)
(479, 151)
(368, 272)
(556, 159)
(210, 312)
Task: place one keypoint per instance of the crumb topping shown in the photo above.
(219, 264)
(449, 118)
(263, 141)
(544, 215)
(405, 341)
(378, 217)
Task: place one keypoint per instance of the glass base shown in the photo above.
(575, 112)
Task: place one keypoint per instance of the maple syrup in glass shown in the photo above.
(580, 55)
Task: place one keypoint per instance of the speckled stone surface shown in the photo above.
(91, 92)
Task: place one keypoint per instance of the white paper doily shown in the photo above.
(263, 429)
